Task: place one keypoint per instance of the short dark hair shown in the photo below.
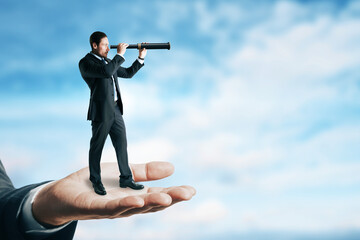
(96, 38)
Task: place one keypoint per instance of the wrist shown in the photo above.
(46, 208)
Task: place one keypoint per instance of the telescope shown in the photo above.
(147, 46)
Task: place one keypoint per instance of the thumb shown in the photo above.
(152, 171)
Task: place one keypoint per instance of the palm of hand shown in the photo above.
(73, 198)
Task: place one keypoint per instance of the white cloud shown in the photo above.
(170, 14)
(303, 214)
(208, 211)
(254, 121)
(142, 101)
(257, 112)
(54, 64)
(153, 149)
(210, 20)
(307, 52)
(261, 119)
(43, 108)
(12, 157)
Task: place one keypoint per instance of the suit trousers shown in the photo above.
(100, 130)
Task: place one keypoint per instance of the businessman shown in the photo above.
(106, 107)
(50, 210)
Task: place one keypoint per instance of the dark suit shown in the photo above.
(105, 114)
(10, 202)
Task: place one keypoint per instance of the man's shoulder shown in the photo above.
(87, 59)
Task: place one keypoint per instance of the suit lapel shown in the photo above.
(114, 76)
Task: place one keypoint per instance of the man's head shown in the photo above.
(99, 44)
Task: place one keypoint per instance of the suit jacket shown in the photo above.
(98, 77)
(10, 201)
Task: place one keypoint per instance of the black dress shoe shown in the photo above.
(99, 188)
(131, 184)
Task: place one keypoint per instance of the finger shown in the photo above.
(126, 204)
(191, 189)
(152, 200)
(102, 208)
(180, 193)
(152, 171)
(157, 199)
(155, 189)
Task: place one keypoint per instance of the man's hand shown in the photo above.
(142, 53)
(121, 48)
(72, 198)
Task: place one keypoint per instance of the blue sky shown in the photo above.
(257, 104)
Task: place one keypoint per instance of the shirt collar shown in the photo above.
(100, 58)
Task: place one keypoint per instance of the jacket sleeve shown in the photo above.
(11, 200)
(90, 69)
(130, 71)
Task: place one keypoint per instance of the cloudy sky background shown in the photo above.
(257, 104)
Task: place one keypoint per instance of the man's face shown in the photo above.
(103, 48)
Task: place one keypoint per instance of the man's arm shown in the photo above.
(137, 64)
(90, 69)
(11, 202)
(130, 71)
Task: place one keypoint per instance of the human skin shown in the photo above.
(72, 198)
(103, 49)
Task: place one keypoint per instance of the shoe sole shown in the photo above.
(122, 186)
(100, 193)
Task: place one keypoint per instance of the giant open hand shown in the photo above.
(73, 198)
